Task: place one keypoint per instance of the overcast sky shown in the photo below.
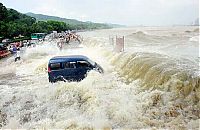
(126, 12)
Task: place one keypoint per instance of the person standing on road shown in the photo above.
(17, 55)
(14, 49)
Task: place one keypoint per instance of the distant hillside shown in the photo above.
(15, 25)
(18, 26)
(90, 25)
(41, 17)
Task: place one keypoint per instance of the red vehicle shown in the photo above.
(4, 51)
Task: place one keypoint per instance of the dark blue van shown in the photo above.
(70, 68)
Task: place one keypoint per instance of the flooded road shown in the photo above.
(153, 84)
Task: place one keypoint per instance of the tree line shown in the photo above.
(13, 24)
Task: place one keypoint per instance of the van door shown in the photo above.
(83, 67)
(70, 70)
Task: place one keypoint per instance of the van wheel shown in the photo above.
(50, 81)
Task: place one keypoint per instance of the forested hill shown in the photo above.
(15, 24)
(42, 17)
(72, 22)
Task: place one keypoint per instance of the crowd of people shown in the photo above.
(66, 38)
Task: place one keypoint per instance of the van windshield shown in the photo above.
(91, 62)
(83, 64)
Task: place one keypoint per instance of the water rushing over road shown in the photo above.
(154, 83)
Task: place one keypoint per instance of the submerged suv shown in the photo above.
(70, 68)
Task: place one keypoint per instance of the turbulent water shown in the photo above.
(155, 83)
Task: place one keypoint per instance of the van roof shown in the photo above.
(68, 58)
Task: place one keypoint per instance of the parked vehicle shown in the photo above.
(38, 36)
(6, 41)
(70, 68)
(3, 51)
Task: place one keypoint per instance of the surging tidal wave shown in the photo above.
(155, 83)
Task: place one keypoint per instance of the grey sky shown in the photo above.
(127, 12)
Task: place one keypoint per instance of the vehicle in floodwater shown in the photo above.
(71, 68)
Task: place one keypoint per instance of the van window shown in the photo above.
(55, 66)
(83, 64)
(70, 65)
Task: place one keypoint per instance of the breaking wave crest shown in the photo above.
(158, 71)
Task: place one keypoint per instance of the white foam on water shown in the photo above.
(195, 38)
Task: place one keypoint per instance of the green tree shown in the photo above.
(3, 12)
